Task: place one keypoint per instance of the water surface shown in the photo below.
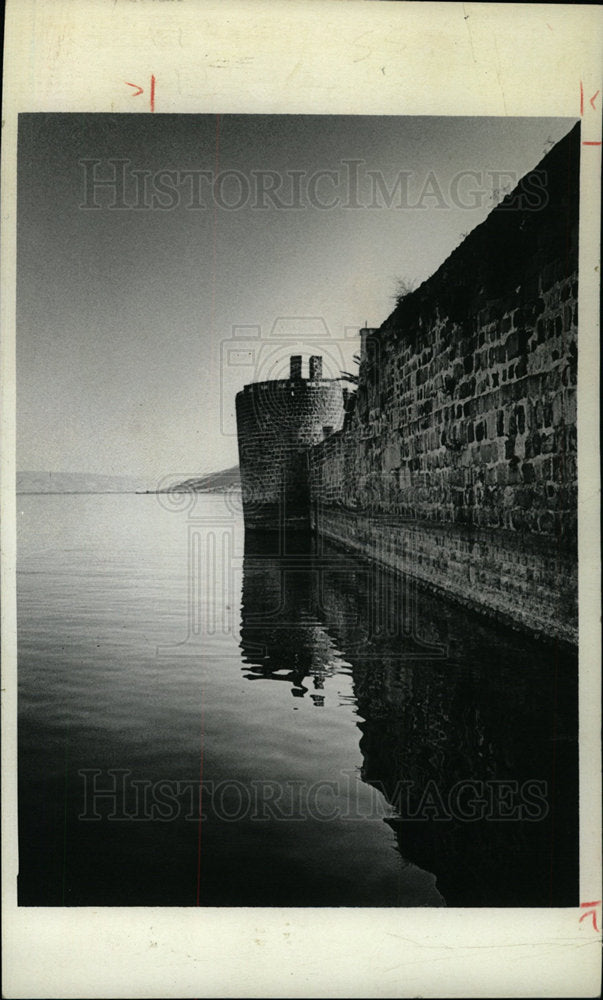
(292, 729)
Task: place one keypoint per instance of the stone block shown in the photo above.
(520, 413)
(533, 445)
(558, 412)
(511, 347)
(523, 497)
(518, 519)
(527, 472)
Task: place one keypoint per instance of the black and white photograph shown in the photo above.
(299, 607)
(332, 660)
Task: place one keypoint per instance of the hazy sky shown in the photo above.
(125, 316)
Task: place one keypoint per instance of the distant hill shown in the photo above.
(211, 482)
(77, 482)
(83, 482)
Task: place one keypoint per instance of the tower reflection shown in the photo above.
(468, 729)
(282, 636)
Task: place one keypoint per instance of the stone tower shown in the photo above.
(277, 421)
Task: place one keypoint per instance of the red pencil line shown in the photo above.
(592, 143)
(152, 94)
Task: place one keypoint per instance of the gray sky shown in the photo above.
(126, 362)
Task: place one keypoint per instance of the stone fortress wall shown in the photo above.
(458, 462)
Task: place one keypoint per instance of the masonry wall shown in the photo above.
(459, 462)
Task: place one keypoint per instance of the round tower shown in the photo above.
(277, 422)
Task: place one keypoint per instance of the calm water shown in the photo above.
(274, 729)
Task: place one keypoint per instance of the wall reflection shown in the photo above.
(468, 729)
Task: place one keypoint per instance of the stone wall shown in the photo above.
(459, 462)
